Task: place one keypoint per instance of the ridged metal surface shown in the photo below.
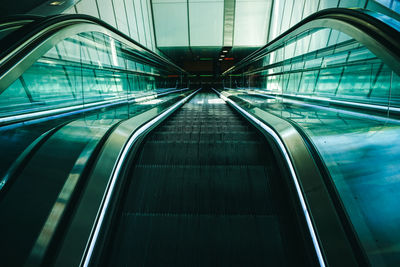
(205, 191)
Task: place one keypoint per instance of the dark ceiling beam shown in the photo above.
(34, 7)
(52, 7)
(188, 25)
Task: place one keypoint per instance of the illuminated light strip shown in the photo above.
(144, 98)
(292, 171)
(340, 102)
(78, 108)
(338, 110)
(106, 199)
(156, 95)
(26, 119)
(331, 109)
(113, 51)
(81, 107)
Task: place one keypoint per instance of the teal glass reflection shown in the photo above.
(83, 70)
(300, 80)
(323, 63)
(361, 153)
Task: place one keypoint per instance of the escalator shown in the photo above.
(206, 189)
(124, 162)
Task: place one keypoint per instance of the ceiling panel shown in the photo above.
(171, 24)
(191, 32)
(206, 23)
(251, 22)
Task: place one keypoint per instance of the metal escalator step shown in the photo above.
(210, 153)
(205, 190)
(208, 117)
(200, 189)
(198, 240)
(201, 136)
(203, 122)
(206, 128)
(205, 142)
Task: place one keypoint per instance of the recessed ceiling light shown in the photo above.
(57, 3)
(224, 51)
(220, 59)
(222, 55)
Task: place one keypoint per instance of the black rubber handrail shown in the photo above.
(15, 46)
(19, 18)
(382, 29)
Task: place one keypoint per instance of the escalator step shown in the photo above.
(201, 136)
(206, 124)
(203, 153)
(200, 189)
(205, 190)
(198, 240)
(204, 128)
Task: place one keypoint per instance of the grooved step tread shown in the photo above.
(205, 128)
(205, 142)
(198, 240)
(201, 136)
(204, 190)
(203, 124)
(210, 153)
(200, 189)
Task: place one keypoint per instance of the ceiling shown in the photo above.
(211, 22)
(193, 33)
(37, 7)
(190, 31)
(18, 7)
(205, 60)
